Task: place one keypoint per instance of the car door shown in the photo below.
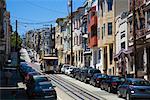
(124, 88)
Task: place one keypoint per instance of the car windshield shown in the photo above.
(41, 79)
(141, 83)
(94, 71)
(118, 78)
(46, 86)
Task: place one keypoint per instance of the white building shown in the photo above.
(121, 38)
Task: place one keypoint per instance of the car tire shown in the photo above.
(109, 89)
(84, 80)
(128, 96)
(102, 88)
(118, 93)
(94, 84)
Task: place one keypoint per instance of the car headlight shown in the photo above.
(132, 91)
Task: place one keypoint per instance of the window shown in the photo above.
(98, 5)
(102, 32)
(148, 19)
(104, 29)
(109, 2)
(61, 40)
(122, 36)
(109, 28)
(81, 56)
(99, 54)
(123, 45)
(74, 41)
(80, 39)
(111, 53)
(93, 31)
(77, 40)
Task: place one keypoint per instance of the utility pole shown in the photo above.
(134, 38)
(16, 49)
(71, 55)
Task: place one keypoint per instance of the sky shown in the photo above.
(33, 14)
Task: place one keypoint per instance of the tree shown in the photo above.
(13, 42)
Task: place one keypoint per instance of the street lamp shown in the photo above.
(71, 55)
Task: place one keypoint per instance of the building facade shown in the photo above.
(59, 41)
(5, 33)
(142, 10)
(109, 10)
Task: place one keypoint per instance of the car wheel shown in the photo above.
(128, 96)
(109, 89)
(102, 87)
(90, 83)
(118, 93)
(94, 84)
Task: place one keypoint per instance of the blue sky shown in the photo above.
(37, 11)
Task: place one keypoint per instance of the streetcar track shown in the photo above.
(84, 92)
(66, 87)
(71, 89)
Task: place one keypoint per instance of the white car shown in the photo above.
(68, 70)
(64, 67)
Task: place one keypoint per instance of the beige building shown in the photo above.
(109, 9)
(59, 39)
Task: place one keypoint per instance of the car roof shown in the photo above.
(34, 72)
(44, 83)
(135, 79)
(39, 76)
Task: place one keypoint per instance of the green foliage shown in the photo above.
(13, 41)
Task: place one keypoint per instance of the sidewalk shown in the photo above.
(12, 89)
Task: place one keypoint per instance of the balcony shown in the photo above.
(93, 41)
(93, 20)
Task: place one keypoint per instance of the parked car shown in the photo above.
(73, 72)
(134, 88)
(26, 70)
(68, 70)
(64, 67)
(111, 83)
(30, 74)
(42, 90)
(89, 74)
(83, 74)
(97, 78)
(80, 74)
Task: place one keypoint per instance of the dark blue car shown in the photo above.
(134, 88)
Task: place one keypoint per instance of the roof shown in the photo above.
(39, 76)
(45, 82)
(50, 58)
(135, 79)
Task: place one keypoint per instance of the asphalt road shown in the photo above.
(64, 93)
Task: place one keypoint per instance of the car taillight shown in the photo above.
(33, 94)
(98, 79)
(114, 83)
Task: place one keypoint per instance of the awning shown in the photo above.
(123, 51)
(50, 58)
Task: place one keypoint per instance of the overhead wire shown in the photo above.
(50, 10)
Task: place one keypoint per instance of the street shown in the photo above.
(68, 88)
(75, 49)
